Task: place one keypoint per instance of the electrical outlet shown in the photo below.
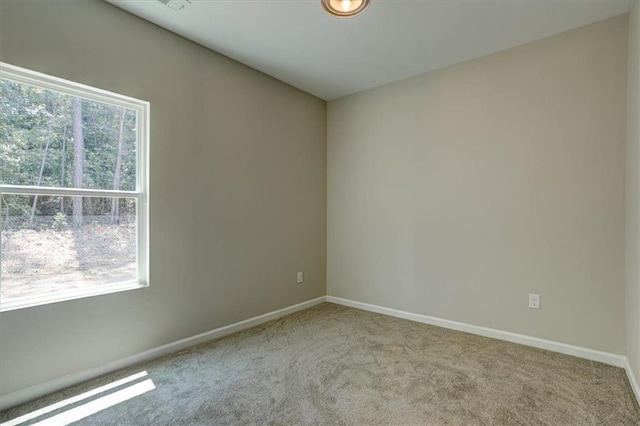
(534, 301)
(300, 277)
(176, 5)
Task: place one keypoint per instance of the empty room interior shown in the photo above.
(320, 212)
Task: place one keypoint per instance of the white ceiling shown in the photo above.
(297, 42)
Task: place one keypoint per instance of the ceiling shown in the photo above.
(297, 42)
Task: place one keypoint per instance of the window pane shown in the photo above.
(55, 250)
(48, 138)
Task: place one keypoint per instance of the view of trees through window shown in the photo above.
(54, 242)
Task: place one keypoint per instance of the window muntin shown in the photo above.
(73, 190)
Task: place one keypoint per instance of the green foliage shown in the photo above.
(32, 118)
(18, 209)
(60, 222)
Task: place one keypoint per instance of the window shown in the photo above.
(73, 190)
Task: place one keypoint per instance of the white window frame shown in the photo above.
(141, 193)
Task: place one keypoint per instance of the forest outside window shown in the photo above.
(73, 190)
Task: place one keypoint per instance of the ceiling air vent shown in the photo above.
(176, 5)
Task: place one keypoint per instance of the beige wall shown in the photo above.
(452, 194)
(238, 189)
(456, 193)
(633, 195)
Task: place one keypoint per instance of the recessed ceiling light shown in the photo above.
(345, 8)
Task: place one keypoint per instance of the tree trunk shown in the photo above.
(78, 159)
(63, 165)
(6, 203)
(115, 202)
(42, 163)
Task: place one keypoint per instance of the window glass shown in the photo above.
(73, 190)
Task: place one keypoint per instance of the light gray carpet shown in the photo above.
(336, 365)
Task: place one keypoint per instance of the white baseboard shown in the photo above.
(37, 391)
(632, 379)
(563, 348)
(31, 393)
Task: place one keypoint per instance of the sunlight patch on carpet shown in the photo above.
(91, 407)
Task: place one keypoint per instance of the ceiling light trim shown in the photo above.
(342, 13)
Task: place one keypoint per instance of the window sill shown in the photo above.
(31, 301)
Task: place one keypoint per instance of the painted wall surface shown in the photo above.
(237, 186)
(632, 265)
(457, 193)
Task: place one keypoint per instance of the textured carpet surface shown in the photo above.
(336, 365)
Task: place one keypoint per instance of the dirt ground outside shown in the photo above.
(36, 262)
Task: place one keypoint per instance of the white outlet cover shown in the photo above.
(176, 5)
(534, 301)
(300, 277)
